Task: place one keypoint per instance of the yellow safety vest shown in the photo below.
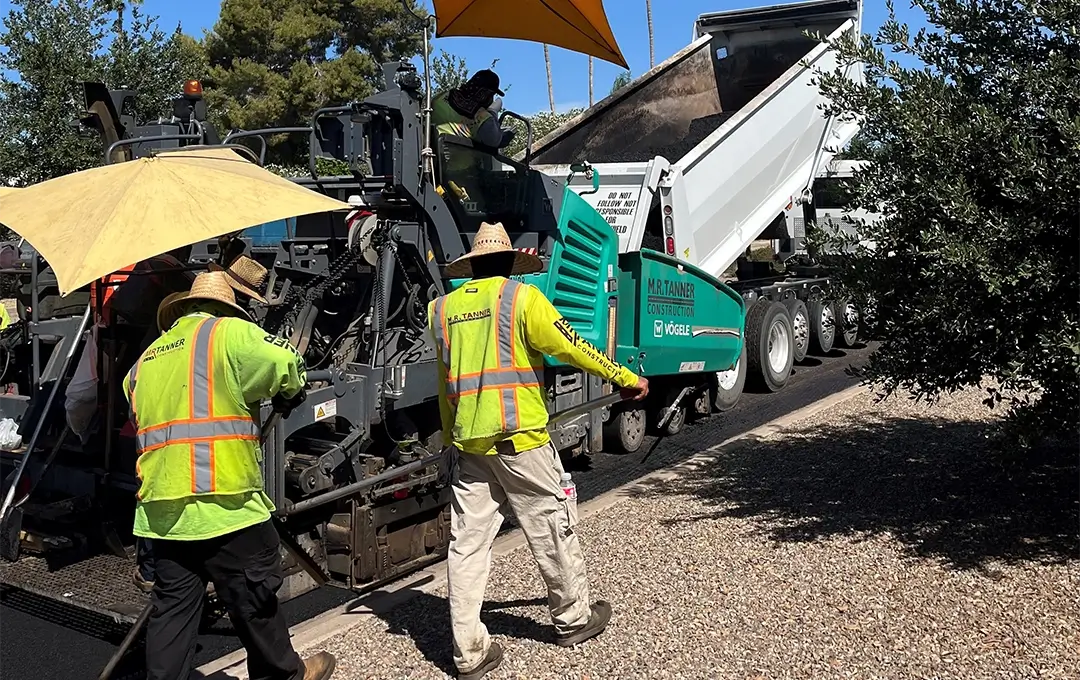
(447, 121)
(495, 381)
(194, 438)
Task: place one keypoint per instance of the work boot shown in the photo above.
(319, 666)
(491, 662)
(143, 584)
(598, 621)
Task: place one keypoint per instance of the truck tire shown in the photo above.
(822, 327)
(624, 431)
(847, 323)
(771, 348)
(800, 326)
(728, 386)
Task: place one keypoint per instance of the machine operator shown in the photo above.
(472, 110)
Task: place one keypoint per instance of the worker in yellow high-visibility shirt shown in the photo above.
(490, 336)
(471, 111)
(194, 397)
(5, 320)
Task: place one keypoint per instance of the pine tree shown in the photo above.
(275, 62)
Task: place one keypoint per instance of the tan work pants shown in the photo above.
(529, 483)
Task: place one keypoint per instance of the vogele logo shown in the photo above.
(658, 328)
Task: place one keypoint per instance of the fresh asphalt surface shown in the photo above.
(42, 640)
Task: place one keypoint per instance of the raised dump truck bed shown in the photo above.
(699, 156)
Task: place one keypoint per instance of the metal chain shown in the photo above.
(299, 296)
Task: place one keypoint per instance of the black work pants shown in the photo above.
(245, 567)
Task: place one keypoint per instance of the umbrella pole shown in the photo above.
(44, 415)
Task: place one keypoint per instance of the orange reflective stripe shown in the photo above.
(184, 421)
(180, 432)
(200, 430)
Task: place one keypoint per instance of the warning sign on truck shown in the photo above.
(617, 206)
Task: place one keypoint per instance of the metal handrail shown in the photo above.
(261, 133)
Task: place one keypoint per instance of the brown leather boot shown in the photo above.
(319, 666)
(598, 621)
(491, 662)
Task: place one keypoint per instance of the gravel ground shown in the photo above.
(872, 541)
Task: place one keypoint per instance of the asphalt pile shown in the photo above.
(673, 151)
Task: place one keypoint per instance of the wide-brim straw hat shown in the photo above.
(245, 275)
(491, 239)
(210, 286)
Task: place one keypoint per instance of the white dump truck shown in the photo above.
(712, 150)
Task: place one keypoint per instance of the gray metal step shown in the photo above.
(101, 584)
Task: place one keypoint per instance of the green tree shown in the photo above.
(447, 72)
(47, 49)
(975, 157)
(275, 62)
(621, 81)
(543, 124)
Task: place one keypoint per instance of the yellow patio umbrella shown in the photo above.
(577, 25)
(91, 223)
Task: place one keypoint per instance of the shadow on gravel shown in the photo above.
(425, 618)
(940, 487)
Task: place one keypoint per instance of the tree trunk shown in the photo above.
(648, 13)
(551, 86)
(590, 82)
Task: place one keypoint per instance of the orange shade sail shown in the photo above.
(576, 25)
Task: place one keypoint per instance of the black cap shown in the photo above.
(487, 79)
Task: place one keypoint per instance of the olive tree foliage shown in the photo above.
(543, 124)
(975, 162)
(47, 49)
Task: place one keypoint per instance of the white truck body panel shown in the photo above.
(737, 166)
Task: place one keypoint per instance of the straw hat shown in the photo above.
(211, 286)
(245, 275)
(490, 239)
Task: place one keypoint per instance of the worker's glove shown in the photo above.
(495, 107)
(284, 405)
(507, 136)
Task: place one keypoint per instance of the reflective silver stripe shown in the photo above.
(509, 408)
(132, 375)
(506, 323)
(200, 371)
(204, 472)
(498, 380)
(202, 468)
(185, 432)
(440, 337)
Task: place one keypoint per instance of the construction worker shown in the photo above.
(471, 111)
(245, 276)
(194, 396)
(491, 334)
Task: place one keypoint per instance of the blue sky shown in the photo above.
(521, 64)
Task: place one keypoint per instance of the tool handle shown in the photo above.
(574, 411)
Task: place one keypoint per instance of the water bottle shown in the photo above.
(568, 487)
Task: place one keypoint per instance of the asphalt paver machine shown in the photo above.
(357, 472)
